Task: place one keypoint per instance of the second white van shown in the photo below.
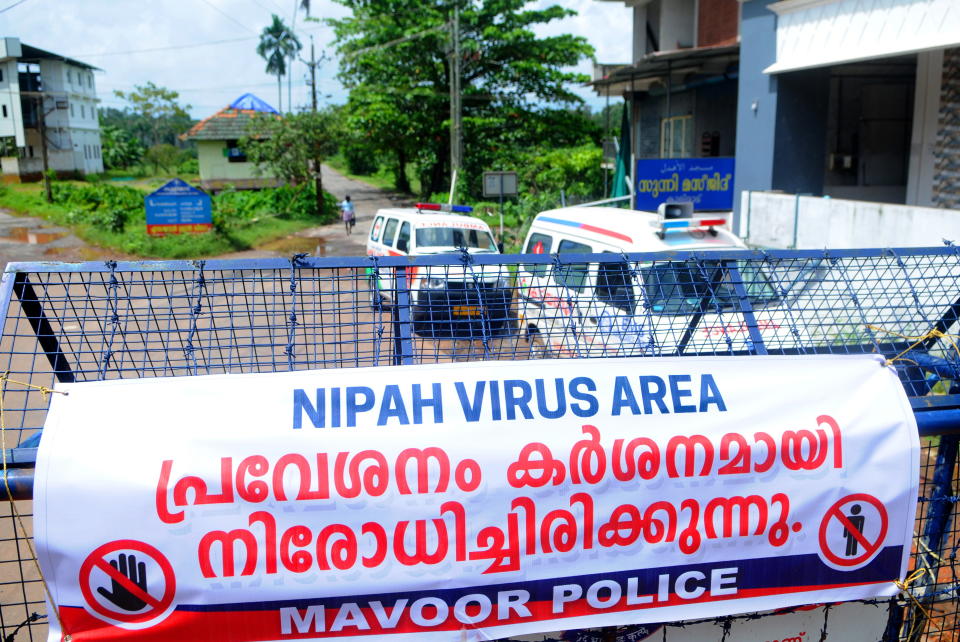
(657, 307)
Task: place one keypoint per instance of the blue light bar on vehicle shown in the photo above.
(444, 207)
(692, 223)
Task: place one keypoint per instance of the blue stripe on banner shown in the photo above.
(787, 572)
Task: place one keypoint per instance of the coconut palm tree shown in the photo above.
(277, 43)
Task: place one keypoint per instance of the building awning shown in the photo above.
(814, 33)
(616, 80)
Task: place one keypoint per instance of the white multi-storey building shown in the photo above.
(43, 90)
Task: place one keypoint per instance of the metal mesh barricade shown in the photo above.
(97, 321)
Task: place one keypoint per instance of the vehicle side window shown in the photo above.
(615, 286)
(403, 241)
(538, 244)
(389, 232)
(676, 288)
(572, 275)
(375, 229)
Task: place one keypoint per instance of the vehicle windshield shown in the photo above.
(446, 237)
(682, 288)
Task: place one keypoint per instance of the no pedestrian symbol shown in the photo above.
(853, 530)
(128, 582)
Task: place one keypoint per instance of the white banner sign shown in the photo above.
(472, 501)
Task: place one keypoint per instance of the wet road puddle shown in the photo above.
(313, 245)
(29, 235)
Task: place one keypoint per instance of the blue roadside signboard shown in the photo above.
(706, 182)
(178, 208)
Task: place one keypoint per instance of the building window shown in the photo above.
(71, 110)
(1, 75)
(676, 137)
(234, 153)
(90, 81)
(4, 111)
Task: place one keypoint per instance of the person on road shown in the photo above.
(347, 214)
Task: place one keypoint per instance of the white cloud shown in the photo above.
(111, 34)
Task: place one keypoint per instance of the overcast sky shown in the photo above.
(206, 49)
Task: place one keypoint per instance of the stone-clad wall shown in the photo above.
(946, 177)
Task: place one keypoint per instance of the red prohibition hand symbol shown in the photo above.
(852, 530)
(128, 590)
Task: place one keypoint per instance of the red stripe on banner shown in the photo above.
(253, 625)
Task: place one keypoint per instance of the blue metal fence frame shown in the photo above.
(936, 415)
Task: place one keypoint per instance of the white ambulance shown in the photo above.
(468, 301)
(657, 307)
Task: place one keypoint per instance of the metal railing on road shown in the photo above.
(98, 321)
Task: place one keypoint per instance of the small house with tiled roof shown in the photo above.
(222, 162)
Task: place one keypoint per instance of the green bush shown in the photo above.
(291, 202)
(189, 166)
(113, 216)
(360, 157)
(105, 206)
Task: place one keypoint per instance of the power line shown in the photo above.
(11, 6)
(226, 15)
(213, 88)
(166, 48)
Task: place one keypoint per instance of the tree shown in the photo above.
(163, 156)
(277, 43)
(293, 146)
(120, 149)
(395, 60)
(161, 116)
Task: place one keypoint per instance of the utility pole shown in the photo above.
(313, 77)
(317, 164)
(42, 126)
(313, 63)
(456, 133)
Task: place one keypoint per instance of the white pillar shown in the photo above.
(926, 114)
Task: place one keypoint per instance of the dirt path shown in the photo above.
(332, 240)
(28, 238)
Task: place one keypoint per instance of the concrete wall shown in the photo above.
(215, 166)
(946, 177)
(808, 222)
(11, 124)
(757, 102)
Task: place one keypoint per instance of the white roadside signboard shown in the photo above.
(472, 501)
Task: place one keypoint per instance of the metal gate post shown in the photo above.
(33, 310)
(402, 325)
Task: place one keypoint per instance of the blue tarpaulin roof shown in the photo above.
(251, 102)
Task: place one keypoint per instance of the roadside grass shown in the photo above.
(241, 220)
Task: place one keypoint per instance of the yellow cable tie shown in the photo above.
(931, 334)
(904, 587)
